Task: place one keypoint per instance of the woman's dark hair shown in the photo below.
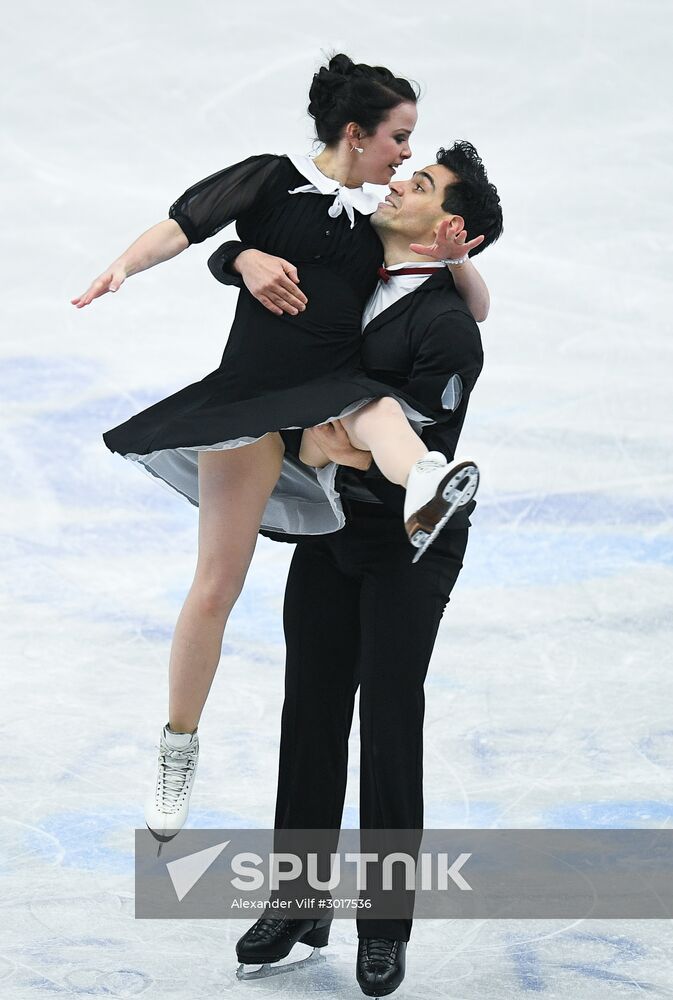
(344, 91)
(472, 196)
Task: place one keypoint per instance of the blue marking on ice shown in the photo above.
(115, 982)
(591, 972)
(527, 966)
(473, 814)
(628, 814)
(84, 837)
(219, 819)
(39, 983)
(658, 747)
(27, 378)
(482, 747)
(619, 949)
(443, 815)
(605, 509)
(533, 557)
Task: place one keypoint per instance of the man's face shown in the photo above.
(413, 208)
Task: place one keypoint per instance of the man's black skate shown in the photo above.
(270, 939)
(380, 965)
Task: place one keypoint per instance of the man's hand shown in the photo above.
(334, 441)
(447, 245)
(272, 281)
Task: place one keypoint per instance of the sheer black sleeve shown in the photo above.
(214, 202)
(219, 263)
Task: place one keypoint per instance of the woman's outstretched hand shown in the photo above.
(108, 281)
(447, 245)
(272, 281)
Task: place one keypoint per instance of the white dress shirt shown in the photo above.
(388, 292)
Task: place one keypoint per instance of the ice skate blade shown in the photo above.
(276, 969)
(378, 991)
(456, 498)
(162, 837)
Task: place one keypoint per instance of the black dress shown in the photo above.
(276, 372)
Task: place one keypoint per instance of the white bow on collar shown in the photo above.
(346, 198)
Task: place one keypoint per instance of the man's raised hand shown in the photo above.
(272, 281)
(448, 245)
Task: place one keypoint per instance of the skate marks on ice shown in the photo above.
(545, 708)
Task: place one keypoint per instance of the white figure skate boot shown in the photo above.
(167, 808)
(435, 490)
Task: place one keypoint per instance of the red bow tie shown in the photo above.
(385, 275)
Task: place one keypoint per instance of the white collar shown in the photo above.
(416, 263)
(346, 198)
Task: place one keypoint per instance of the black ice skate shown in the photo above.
(270, 940)
(380, 965)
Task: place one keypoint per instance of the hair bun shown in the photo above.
(342, 65)
(344, 91)
(328, 85)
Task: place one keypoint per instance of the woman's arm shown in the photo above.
(160, 243)
(200, 212)
(469, 283)
(472, 289)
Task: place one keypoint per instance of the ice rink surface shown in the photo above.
(550, 695)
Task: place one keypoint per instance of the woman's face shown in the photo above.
(389, 146)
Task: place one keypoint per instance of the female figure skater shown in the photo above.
(287, 371)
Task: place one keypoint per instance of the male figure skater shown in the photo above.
(356, 611)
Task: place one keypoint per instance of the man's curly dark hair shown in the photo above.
(472, 196)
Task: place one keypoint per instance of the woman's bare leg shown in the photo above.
(382, 428)
(234, 486)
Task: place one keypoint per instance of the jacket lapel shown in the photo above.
(436, 281)
(390, 314)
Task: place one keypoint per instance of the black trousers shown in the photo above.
(358, 613)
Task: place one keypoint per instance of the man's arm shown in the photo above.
(450, 346)
(273, 281)
(336, 444)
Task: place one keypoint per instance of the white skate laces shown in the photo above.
(167, 808)
(432, 460)
(176, 770)
(421, 482)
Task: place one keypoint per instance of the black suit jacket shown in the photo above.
(419, 344)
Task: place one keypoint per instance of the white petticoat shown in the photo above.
(304, 501)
